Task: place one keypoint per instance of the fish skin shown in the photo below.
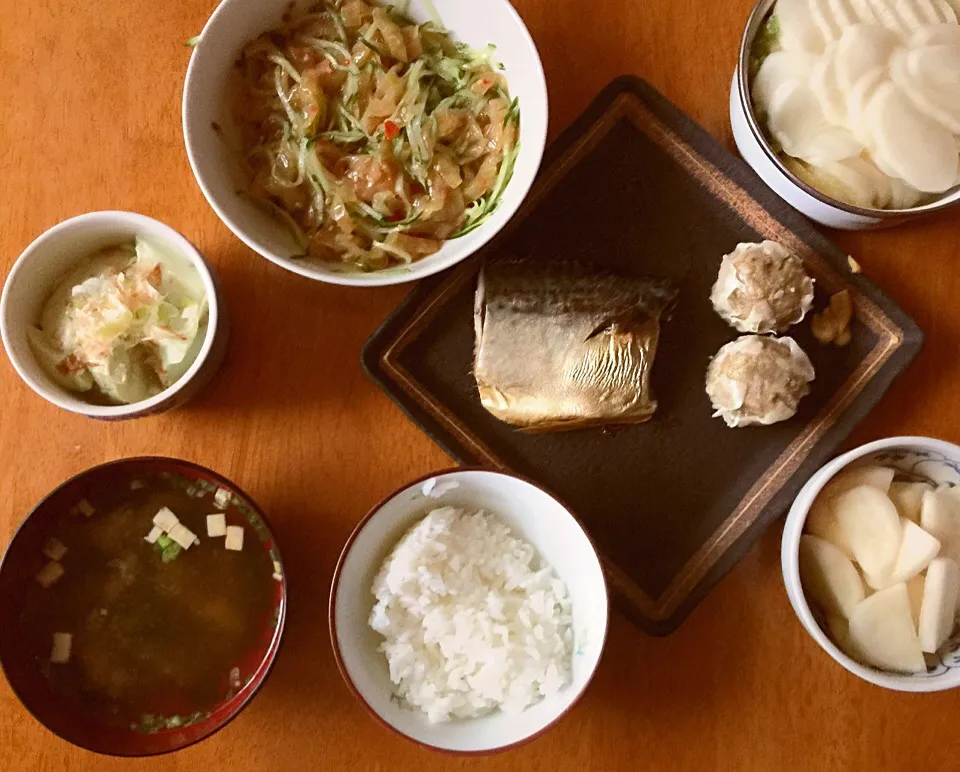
(561, 345)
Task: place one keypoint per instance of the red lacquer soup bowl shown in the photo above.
(84, 717)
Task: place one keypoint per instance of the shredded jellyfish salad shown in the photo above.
(372, 137)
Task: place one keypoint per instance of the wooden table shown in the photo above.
(91, 120)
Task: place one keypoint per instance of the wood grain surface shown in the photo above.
(91, 120)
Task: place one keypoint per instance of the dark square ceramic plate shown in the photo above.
(671, 504)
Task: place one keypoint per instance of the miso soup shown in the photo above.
(149, 635)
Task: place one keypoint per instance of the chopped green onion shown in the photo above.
(192, 42)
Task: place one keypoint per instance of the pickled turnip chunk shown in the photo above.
(881, 628)
(182, 535)
(828, 576)
(915, 594)
(234, 540)
(917, 549)
(50, 574)
(839, 629)
(60, 651)
(154, 534)
(165, 519)
(216, 525)
(54, 549)
(872, 526)
(940, 517)
(938, 609)
(822, 522)
(907, 497)
(879, 477)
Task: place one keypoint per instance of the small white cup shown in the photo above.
(47, 260)
(935, 460)
(531, 513)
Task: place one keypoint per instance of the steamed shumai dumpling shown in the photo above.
(762, 288)
(758, 380)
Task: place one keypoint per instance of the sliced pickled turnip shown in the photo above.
(936, 65)
(778, 69)
(858, 182)
(920, 150)
(822, 522)
(948, 12)
(907, 497)
(828, 576)
(936, 34)
(823, 18)
(928, 12)
(939, 102)
(938, 609)
(864, 12)
(888, 17)
(858, 98)
(798, 31)
(842, 13)
(862, 49)
(917, 549)
(909, 14)
(903, 195)
(797, 122)
(826, 87)
(881, 628)
(872, 526)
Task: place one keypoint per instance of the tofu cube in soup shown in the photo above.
(54, 549)
(154, 534)
(165, 519)
(216, 525)
(50, 574)
(234, 540)
(182, 535)
(60, 652)
(85, 508)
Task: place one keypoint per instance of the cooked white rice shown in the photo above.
(473, 619)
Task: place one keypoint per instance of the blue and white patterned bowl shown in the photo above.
(919, 458)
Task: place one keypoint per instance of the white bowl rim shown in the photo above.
(789, 557)
(944, 201)
(374, 278)
(137, 222)
(335, 638)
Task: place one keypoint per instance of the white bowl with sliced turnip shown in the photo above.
(871, 562)
(850, 112)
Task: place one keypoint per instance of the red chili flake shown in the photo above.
(390, 129)
(395, 217)
(347, 61)
(484, 82)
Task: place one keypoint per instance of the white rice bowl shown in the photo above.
(557, 540)
(472, 620)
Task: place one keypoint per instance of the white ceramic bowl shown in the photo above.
(215, 157)
(757, 152)
(921, 457)
(533, 514)
(46, 261)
